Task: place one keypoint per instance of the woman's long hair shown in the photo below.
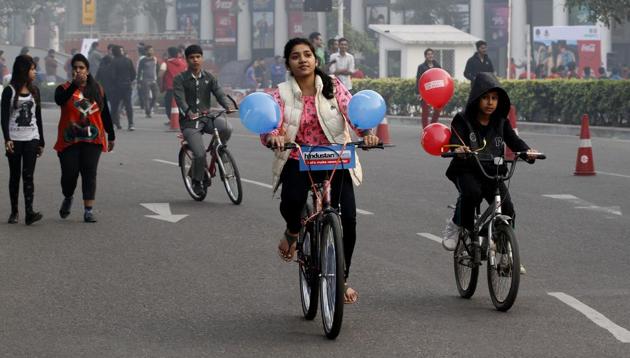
(93, 90)
(19, 78)
(328, 90)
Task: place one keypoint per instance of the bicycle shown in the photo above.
(221, 157)
(319, 246)
(499, 245)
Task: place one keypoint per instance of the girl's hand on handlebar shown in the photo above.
(532, 154)
(462, 149)
(371, 140)
(277, 142)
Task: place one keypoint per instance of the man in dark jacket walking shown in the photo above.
(124, 74)
(428, 64)
(479, 62)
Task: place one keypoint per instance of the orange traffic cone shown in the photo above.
(382, 131)
(584, 164)
(174, 117)
(509, 155)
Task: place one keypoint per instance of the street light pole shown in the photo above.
(340, 19)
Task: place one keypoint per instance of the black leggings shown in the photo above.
(22, 163)
(80, 158)
(295, 187)
(473, 188)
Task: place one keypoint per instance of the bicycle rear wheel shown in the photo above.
(185, 166)
(230, 176)
(332, 281)
(307, 258)
(504, 276)
(466, 272)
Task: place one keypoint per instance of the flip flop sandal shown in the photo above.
(290, 240)
(346, 300)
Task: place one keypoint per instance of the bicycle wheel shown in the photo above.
(307, 258)
(185, 166)
(466, 272)
(504, 276)
(332, 281)
(230, 176)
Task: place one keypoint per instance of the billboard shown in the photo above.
(566, 46)
(188, 15)
(225, 22)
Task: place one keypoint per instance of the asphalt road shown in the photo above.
(212, 285)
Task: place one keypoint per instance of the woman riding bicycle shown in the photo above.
(482, 127)
(313, 109)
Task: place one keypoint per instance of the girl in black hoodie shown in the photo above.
(482, 127)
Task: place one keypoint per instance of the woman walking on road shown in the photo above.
(23, 135)
(85, 130)
(308, 105)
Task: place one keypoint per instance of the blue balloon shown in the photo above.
(259, 113)
(366, 109)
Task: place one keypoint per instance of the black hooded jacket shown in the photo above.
(467, 130)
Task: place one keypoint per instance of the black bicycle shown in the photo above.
(320, 244)
(492, 239)
(221, 158)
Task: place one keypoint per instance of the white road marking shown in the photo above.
(622, 334)
(430, 236)
(166, 162)
(163, 211)
(264, 185)
(583, 204)
(614, 174)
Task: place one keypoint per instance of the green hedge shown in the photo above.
(552, 101)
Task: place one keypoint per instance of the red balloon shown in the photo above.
(436, 87)
(434, 138)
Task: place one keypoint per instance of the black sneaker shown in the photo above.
(88, 217)
(66, 205)
(198, 188)
(32, 217)
(13, 218)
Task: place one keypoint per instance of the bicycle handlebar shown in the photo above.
(358, 144)
(217, 114)
(517, 155)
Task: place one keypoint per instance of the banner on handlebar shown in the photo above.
(327, 157)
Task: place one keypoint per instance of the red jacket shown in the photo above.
(174, 66)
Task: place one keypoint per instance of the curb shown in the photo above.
(531, 127)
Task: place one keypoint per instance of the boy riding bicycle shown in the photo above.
(192, 90)
(482, 127)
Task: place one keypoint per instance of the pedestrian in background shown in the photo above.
(260, 71)
(124, 74)
(333, 47)
(68, 65)
(428, 64)
(95, 56)
(479, 62)
(174, 66)
(21, 118)
(50, 64)
(147, 79)
(343, 64)
(278, 72)
(85, 130)
(318, 43)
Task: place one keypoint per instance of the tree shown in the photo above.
(605, 11)
(29, 9)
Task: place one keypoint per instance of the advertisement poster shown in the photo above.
(497, 23)
(262, 24)
(296, 19)
(562, 47)
(225, 22)
(188, 15)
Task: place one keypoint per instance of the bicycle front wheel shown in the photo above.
(185, 166)
(307, 258)
(332, 281)
(504, 276)
(230, 176)
(466, 271)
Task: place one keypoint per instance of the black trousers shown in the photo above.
(168, 101)
(117, 96)
(80, 158)
(472, 189)
(22, 164)
(295, 187)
